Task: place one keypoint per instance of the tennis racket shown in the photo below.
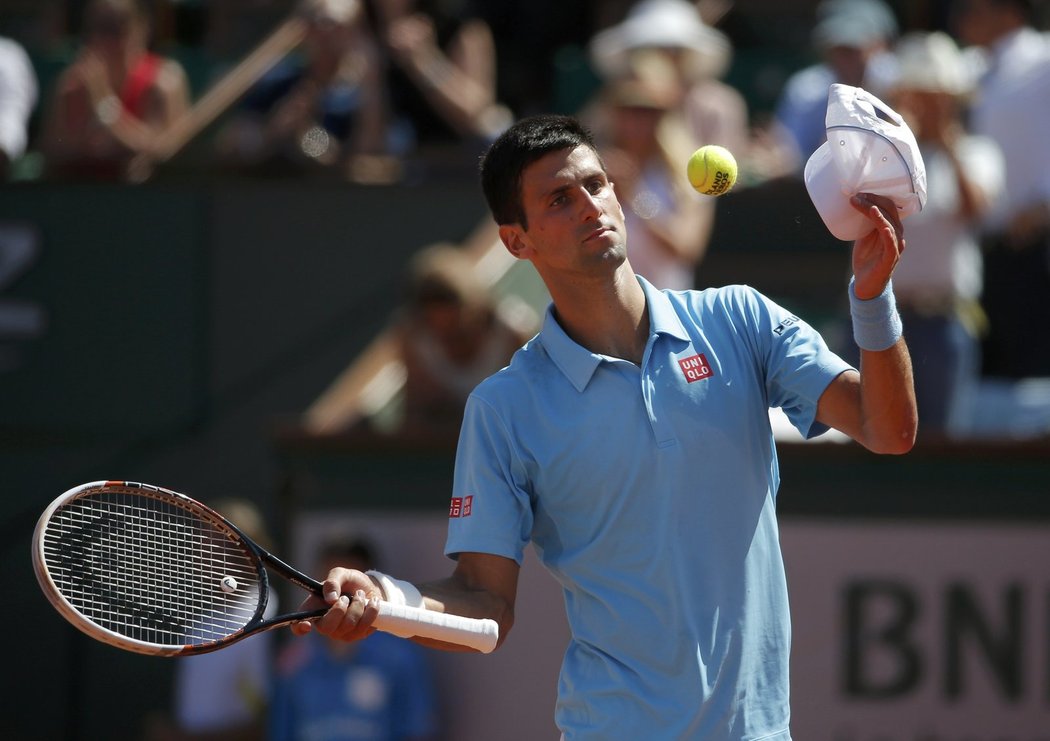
(153, 571)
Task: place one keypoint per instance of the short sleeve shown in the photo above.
(491, 510)
(799, 366)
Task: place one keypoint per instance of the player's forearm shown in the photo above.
(884, 403)
(455, 595)
(889, 419)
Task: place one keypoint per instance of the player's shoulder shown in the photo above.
(729, 299)
(736, 309)
(528, 362)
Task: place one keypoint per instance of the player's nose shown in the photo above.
(591, 207)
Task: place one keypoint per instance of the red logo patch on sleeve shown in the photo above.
(695, 368)
(461, 506)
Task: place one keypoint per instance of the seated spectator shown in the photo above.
(442, 79)
(451, 336)
(322, 112)
(938, 281)
(18, 96)
(378, 688)
(1011, 106)
(114, 100)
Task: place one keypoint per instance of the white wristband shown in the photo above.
(398, 592)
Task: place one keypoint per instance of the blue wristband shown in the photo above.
(876, 323)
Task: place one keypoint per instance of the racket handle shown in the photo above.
(405, 621)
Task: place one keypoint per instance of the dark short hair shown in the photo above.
(518, 147)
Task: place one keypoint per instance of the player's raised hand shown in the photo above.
(876, 254)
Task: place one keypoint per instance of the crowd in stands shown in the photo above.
(382, 91)
(395, 91)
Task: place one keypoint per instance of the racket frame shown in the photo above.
(481, 635)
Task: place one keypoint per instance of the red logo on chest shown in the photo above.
(695, 368)
(461, 506)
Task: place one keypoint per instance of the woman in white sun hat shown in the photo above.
(715, 112)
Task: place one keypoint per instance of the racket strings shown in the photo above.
(151, 570)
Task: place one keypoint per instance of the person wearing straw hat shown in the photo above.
(715, 112)
(644, 140)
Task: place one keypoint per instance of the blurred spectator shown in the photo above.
(451, 336)
(18, 96)
(698, 55)
(19, 242)
(1012, 106)
(442, 78)
(853, 38)
(223, 696)
(20, 319)
(115, 98)
(325, 112)
(378, 689)
(544, 66)
(938, 280)
(645, 146)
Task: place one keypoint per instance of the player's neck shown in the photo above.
(608, 318)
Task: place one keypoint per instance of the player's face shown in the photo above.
(575, 222)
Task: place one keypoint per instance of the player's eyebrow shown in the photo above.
(558, 190)
(570, 182)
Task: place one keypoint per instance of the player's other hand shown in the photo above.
(875, 255)
(352, 599)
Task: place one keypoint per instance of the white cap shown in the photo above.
(870, 149)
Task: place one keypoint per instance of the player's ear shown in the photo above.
(514, 240)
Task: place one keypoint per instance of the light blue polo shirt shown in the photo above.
(649, 493)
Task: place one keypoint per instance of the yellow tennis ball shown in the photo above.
(712, 170)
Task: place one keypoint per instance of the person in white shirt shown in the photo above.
(938, 281)
(1012, 106)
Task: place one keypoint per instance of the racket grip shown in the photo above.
(405, 621)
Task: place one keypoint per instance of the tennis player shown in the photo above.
(629, 441)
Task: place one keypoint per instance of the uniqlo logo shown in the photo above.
(695, 368)
(461, 506)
